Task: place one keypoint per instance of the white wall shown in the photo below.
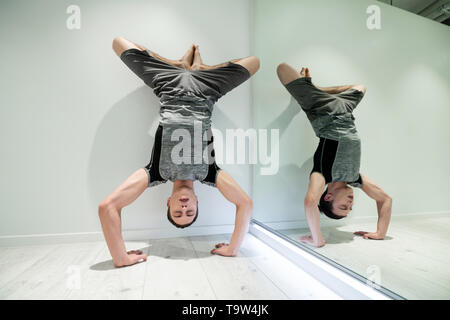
(402, 121)
(75, 121)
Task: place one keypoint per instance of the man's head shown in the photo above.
(338, 203)
(182, 207)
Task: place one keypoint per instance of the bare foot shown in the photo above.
(188, 58)
(305, 73)
(197, 63)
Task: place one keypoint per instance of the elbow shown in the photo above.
(388, 199)
(310, 202)
(249, 204)
(246, 203)
(105, 207)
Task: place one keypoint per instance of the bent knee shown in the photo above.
(256, 62)
(281, 68)
(286, 73)
(360, 87)
(251, 63)
(120, 44)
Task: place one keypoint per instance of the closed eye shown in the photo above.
(177, 214)
(190, 213)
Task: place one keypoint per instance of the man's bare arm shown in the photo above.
(233, 193)
(384, 206)
(109, 212)
(315, 190)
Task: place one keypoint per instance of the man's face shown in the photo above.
(183, 206)
(342, 200)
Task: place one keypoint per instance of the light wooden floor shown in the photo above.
(177, 268)
(414, 260)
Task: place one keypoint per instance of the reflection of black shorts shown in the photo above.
(311, 98)
(326, 163)
(155, 175)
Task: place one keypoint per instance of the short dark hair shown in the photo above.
(326, 207)
(180, 225)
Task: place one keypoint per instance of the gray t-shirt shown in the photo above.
(187, 99)
(331, 117)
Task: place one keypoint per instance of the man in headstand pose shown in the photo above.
(188, 90)
(337, 158)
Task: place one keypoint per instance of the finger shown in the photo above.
(139, 257)
(215, 251)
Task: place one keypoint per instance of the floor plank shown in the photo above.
(236, 277)
(176, 268)
(101, 280)
(47, 276)
(413, 260)
(174, 271)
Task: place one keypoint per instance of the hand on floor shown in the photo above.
(369, 235)
(133, 257)
(309, 240)
(223, 249)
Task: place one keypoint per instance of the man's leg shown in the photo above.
(339, 89)
(251, 63)
(109, 212)
(121, 44)
(299, 85)
(287, 73)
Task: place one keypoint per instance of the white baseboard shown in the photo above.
(172, 232)
(128, 235)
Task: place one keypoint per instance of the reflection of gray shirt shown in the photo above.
(331, 118)
(187, 98)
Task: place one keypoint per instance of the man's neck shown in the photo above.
(178, 184)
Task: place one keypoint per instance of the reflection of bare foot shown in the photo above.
(197, 63)
(305, 73)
